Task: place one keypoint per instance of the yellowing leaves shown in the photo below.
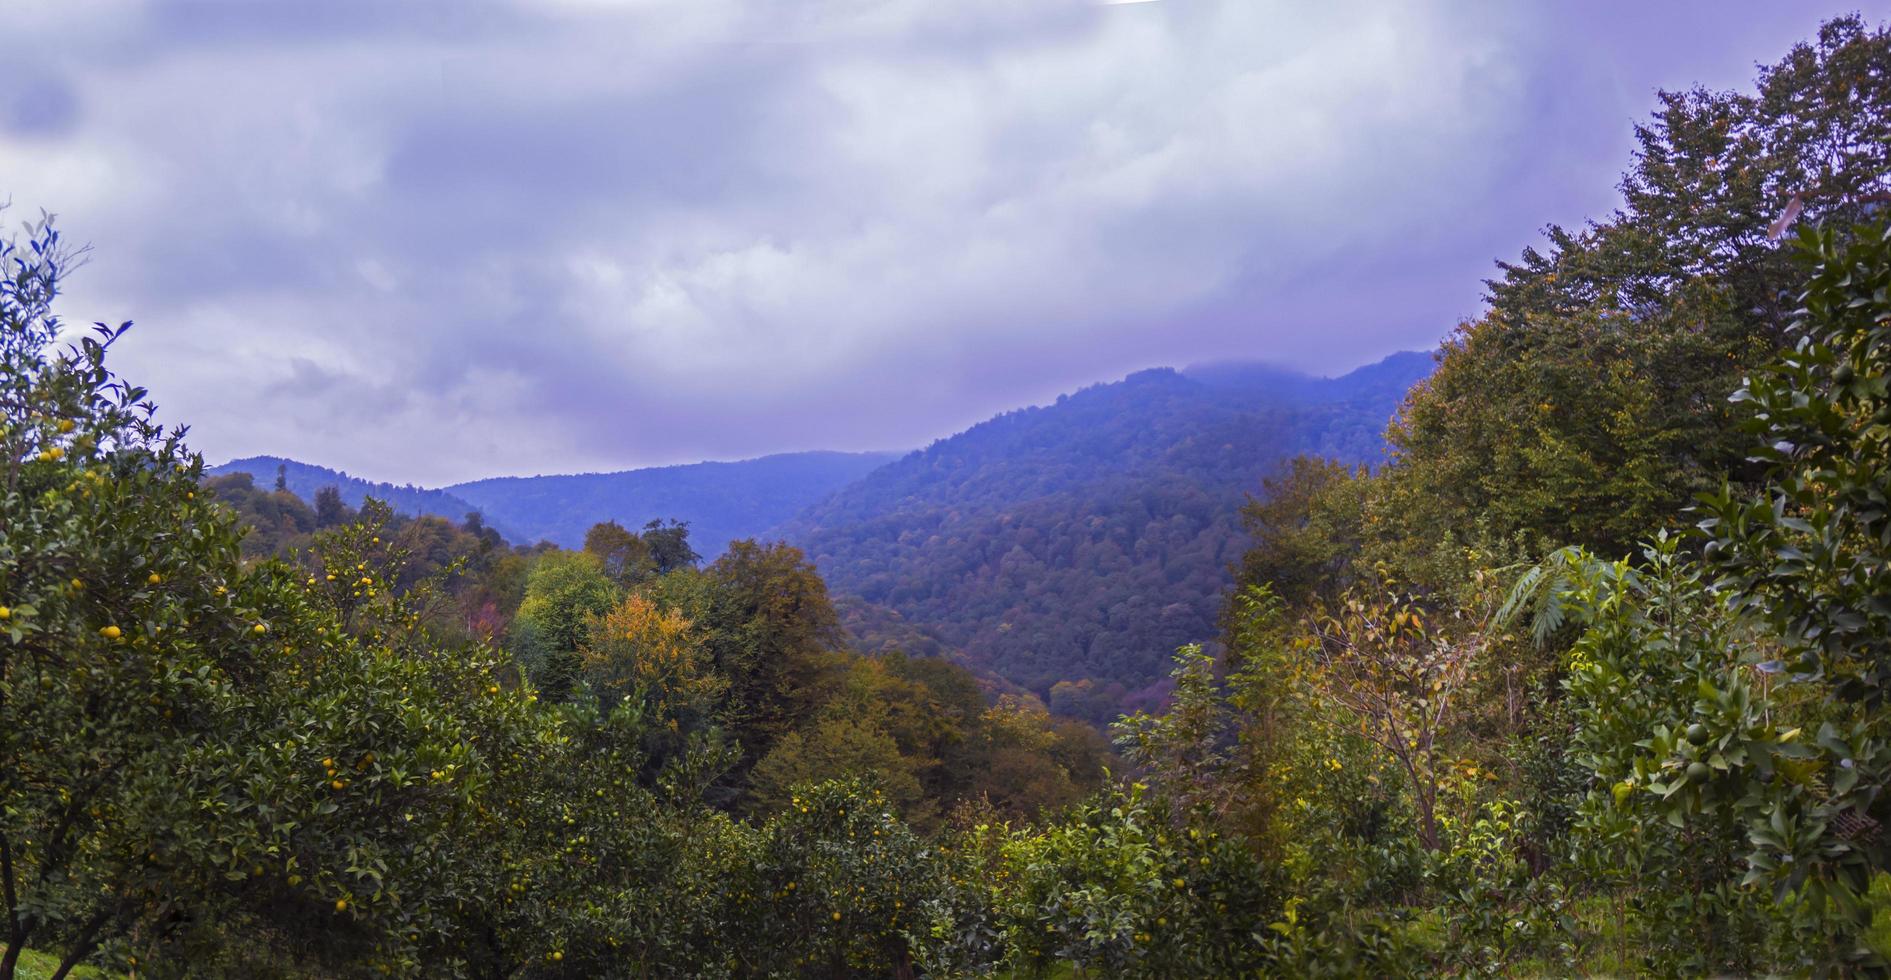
(638, 645)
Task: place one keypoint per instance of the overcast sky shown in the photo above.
(436, 241)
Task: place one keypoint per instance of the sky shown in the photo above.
(434, 241)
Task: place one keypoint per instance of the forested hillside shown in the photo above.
(1061, 548)
(721, 502)
(1068, 548)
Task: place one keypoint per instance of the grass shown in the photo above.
(35, 965)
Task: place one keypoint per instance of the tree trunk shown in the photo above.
(17, 932)
(83, 946)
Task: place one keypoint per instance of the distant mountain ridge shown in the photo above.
(1397, 372)
(304, 479)
(1082, 541)
(721, 501)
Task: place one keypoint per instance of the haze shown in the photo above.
(435, 242)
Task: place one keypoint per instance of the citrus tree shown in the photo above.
(1119, 888)
(204, 762)
(835, 887)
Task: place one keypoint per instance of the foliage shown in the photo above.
(194, 749)
(1587, 405)
(307, 759)
(1398, 678)
(563, 592)
(1814, 551)
(1306, 527)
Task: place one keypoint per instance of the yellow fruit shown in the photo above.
(491, 690)
(152, 579)
(77, 584)
(556, 954)
(336, 784)
(111, 632)
(51, 454)
(837, 917)
(259, 629)
(65, 425)
(341, 905)
(5, 613)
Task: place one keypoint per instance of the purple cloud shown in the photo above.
(584, 234)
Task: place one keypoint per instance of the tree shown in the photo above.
(563, 591)
(668, 545)
(329, 509)
(836, 748)
(1587, 406)
(1813, 551)
(1307, 527)
(275, 521)
(838, 886)
(770, 629)
(194, 750)
(651, 662)
(1810, 555)
(1397, 677)
(1018, 773)
(1121, 889)
(626, 557)
(1730, 712)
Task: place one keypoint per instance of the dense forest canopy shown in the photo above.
(1588, 678)
(1066, 548)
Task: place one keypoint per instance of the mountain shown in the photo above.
(1392, 376)
(304, 479)
(1067, 548)
(1071, 547)
(721, 501)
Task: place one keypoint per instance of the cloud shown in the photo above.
(430, 242)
